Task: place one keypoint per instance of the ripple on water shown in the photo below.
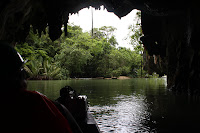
(128, 115)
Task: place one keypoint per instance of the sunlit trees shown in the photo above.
(135, 35)
(78, 55)
(74, 59)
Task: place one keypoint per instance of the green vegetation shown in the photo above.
(78, 55)
(135, 35)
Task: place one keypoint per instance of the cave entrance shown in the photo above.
(125, 31)
(90, 17)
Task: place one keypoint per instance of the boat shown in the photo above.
(77, 105)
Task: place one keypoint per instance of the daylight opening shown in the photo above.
(98, 45)
(101, 17)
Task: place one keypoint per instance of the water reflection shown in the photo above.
(128, 115)
(119, 106)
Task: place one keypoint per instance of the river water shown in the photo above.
(131, 105)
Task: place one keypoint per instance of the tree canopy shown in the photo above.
(78, 55)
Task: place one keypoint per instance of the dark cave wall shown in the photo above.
(183, 51)
(176, 38)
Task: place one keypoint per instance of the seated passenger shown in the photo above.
(24, 111)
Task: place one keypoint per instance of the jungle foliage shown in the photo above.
(78, 54)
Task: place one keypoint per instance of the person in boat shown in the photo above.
(24, 111)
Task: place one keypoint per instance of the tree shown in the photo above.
(136, 30)
(107, 31)
(75, 52)
(78, 55)
(42, 69)
(50, 70)
(112, 41)
(97, 34)
(74, 59)
(34, 68)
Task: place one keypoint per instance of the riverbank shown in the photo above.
(124, 77)
(120, 77)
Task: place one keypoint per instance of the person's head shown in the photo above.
(11, 68)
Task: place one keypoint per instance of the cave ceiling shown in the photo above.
(18, 15)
